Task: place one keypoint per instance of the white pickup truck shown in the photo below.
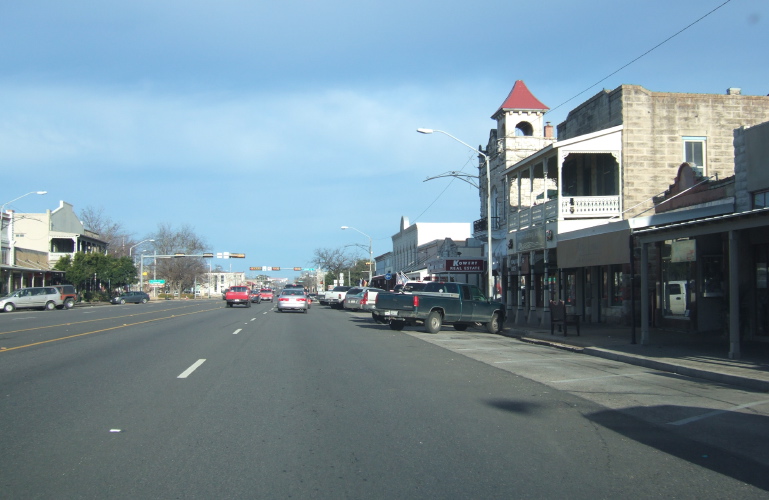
(335, 297)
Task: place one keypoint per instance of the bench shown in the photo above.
(559, 316)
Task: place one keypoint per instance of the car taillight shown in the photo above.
(364, 300)
(281, 300)
(302, 300)
(416, 300)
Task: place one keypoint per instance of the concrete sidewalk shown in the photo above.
(685, 353)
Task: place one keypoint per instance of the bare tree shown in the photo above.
(333, 261)
(119, 241)
(179, 272)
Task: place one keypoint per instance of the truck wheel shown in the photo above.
(397, 325)
(493, 325)
(460, 327)
(433, 322)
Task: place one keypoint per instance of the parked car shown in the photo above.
(44, 297)
(133, 297)
(335, 298)
(266, 294)
(224, 293)
(293, 299)
(353, 297)
(68, 295)
(255, 296)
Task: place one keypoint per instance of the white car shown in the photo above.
(46, 298)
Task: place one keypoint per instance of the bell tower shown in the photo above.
(521, 127)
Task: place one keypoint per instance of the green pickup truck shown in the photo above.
(457, 304)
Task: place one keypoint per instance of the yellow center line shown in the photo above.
(88, 321)
(6, 349)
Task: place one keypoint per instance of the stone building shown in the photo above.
(574, 203)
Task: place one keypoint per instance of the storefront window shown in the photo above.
(617, 288)
(571, 288)
(678, 273)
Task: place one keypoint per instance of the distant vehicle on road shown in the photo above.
(133, 297)
(293, 299)
(266, 294)
(238, 295)
(255, 296)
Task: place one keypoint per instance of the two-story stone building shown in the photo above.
(571, 202)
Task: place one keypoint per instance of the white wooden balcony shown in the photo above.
(571, 207)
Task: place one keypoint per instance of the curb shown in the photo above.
(688, 371)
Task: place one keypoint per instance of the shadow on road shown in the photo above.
(732, 448)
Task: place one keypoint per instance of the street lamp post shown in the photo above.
(490, 275)
(2, 210)
(141, 265)
(370, 252)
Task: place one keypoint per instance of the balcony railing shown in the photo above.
(572, 207)
(481, 224)
(589, 206)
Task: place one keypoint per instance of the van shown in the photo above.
(46, 298)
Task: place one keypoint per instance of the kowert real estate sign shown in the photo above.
(457, 266)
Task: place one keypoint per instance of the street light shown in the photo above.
(2, 210)
(370, 252)
(130, 250)
(490, 277)
(141, 264)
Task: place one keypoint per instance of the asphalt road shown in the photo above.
(189, 399)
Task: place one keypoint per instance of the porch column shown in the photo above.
(520, 294)
(734, 297)
(545, 320)
(532, 320)
(644, 294)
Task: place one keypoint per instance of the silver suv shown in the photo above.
(46, 298)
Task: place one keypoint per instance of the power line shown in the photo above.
(642, 55)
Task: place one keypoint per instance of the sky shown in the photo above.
(266, 126)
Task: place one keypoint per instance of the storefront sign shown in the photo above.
(456, 266)
(530, 239)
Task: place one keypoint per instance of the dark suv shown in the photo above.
(68, 296)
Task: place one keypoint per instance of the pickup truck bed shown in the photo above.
(457, 304)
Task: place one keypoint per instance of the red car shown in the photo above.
(265, 294)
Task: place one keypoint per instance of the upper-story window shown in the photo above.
(695, 153)
(761, 199)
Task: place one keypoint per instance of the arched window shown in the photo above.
(524, 129)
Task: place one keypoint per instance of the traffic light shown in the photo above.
(237, 256)
(297, 269)
(254, 268)
(208, 255)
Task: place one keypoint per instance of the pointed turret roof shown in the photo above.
(520, 98)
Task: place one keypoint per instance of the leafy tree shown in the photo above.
(85, 269)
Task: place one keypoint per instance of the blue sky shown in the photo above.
(268, 125)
